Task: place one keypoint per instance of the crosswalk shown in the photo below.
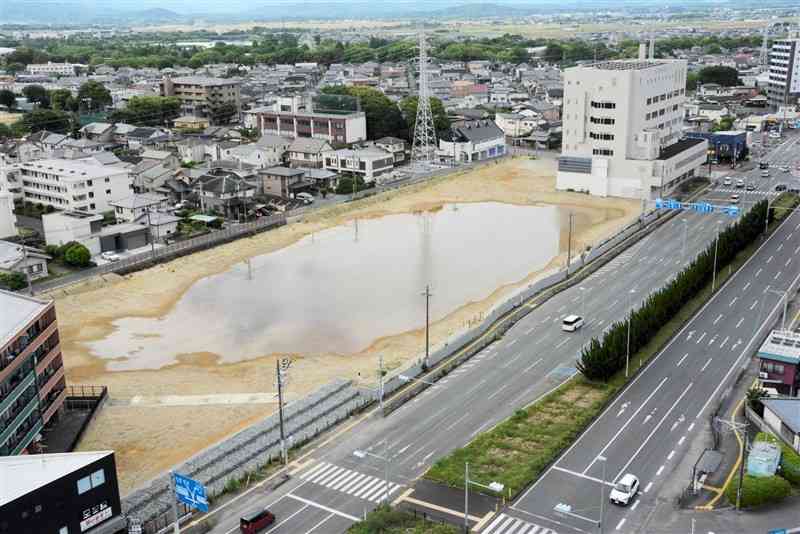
(505, 524)
(741, 191)
(353, 483)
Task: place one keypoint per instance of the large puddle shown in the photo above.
(339, 290)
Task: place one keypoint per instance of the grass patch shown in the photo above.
(519, 449)
(385, 520)
(758, 491)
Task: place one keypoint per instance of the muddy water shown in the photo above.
(339, 290)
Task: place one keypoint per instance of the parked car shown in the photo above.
(734, 199)
(780, 187)
(256, 522)
(306, 198)
(727, 181)
(739, 183)
(751, 187)
(763, 165)
(625, 490)
(765, 174)
(110, 256)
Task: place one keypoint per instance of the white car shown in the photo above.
(625, 490)
(571, 323)
(727, 181)
(305, 198)
(734, 199)
(110, 256)
(739, 183)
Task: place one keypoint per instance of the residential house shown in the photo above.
(16, 258)
(189, 122)
(61, 227)
(162, 224)
(143, 136)
(98, 131)
(307, 152)
(132, 207)
(368, 162)
(514, 124)
(224, 192)
(284, 182)
(323, 178)
(783, 417)
(394, 146)
(779, 357)
(336, 128)
(472, 141)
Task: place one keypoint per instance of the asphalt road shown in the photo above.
(331, 487)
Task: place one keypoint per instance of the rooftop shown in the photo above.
(343, 115)
(781, 345)
(680, 146)
(138, 201)
(788, 410)
(626, 64)
(204, 81)
(284, 171)
(20, 475)
(18, 310)
(71, 169)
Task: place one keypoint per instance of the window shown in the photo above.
(663, 97)
(772, 367)
(84, 485)
(602, 152)
(649, 101)
(601, 120)
(89, 183)
(63, 530)
(98, 478)
(91, 206)
(94, 480)
(108, 179)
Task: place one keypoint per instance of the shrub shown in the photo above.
(13, 281)
(758, 491)
(62, 250)
(53, 251)
(386, 520)
(78, 256)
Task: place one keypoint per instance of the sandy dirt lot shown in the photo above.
(139, 434)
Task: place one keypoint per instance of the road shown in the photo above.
(331, 487)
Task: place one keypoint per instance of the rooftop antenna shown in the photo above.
(424, 145)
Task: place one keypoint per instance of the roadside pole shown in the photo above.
(466, 497)
(427, 294)
(569, 242)
(380, 383)
(279, 374)
(177, 528)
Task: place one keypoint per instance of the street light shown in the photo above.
(785, 296)
(493, 486)
(628, 351)
(363, 454)
(716, 246)
(685, 232)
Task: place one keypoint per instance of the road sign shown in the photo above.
(778, 531)
(190, 492)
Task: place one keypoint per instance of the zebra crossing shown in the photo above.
(352, 482)
(741, 191)
(505, 524)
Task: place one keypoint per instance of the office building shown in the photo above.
(336, 128)
(67, 493)
(73, 185)
(622, 129)
(784, 73)
(49, 68)
(216, 99)
(32, 383)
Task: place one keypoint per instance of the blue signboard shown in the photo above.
(190, 492)
(700, 207)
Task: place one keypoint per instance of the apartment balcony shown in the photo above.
(51, 382)
(45, 362)
(27, 349)
(54, 405)
(12, 427)
(17, 392)
(27, 439)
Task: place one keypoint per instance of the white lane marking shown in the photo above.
(777, 275)
(621, 522)
(484, 425)
(701, 338)
(680, 441)
(581, 475)
(681, 360)
(718, 319)
(758, 271)
(531, 366)
(746, 286)
(511, 343)
(787, 262)
(318, 524)
(779, 248)
(512, 360)
(671, 454)
(529, 330)
(733, 302)
(502, 518)
(690, 427)
(647, 488)
(724, 341)
(561, 308)
(429, 455)
(546, 319)
(562, 343)
(797, 250)
(454, 423)
(709, 361)
(653, 432)
(635, 504)
(613, 304)
(623, 427)
(316, 505)
(660, 469)
(497, 391)
(754, 304)
(769, 259)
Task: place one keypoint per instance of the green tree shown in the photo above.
(37, 94)
(78, 256)
(8, 98)
(691, 81)
(726, 76)
(13, 281)
(409, 107)
(62, 100)
(47, 119)
(95, 93)
(148, 111)
(383, 116)
(554, 53)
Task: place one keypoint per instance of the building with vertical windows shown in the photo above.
(622, 129)
(32, 383)
(784, 73)
(217, 99)
(68, 493)
(336, 128)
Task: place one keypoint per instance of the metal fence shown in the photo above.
(174, 250)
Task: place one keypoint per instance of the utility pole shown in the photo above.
(281, 366)
(380, 383)
(150, 236)
(466, 497)
(569, 243)
(176, 527)
(427, 294)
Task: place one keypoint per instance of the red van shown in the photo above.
(255, 522)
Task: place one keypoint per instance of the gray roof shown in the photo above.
(268, 140)
(204, 81)
(158, 218)
(18, 310)
(781, 345)
(137, 201)
(477, 131)
(284, 171)
(309, 145)
(787, 410)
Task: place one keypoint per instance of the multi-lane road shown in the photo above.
(331, 487)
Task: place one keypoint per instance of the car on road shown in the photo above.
(305, 198)
(727, 181)
(775, 135)
(751, 187)
(734, 199)
(785, 168)
(110, 256)
(765, 174)
(571, 323)
(739, 183)
(256, 522)
(780, 187)
(763, 165)
(625, 490)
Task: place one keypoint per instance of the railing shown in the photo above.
(21, 416)
(17, 392)
(51, 355)
(23, 354)
(52, 380)
(54, 406)
(28, 438)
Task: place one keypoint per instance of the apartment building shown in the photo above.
(216, 99)
(335, 128)
(49, 68)
(74, 185)
(368, 162)
(622, 129)
(32, 383)
(784, 73)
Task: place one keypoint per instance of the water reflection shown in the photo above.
(339, 290)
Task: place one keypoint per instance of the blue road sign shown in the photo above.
(191, 492)
(733, 211)
(659, 203)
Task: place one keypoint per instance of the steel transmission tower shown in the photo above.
(424, 147)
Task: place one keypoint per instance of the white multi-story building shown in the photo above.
(8, 221)
(622, 129)
(368, 162)
(784, 73)
(62, 69)
(73, 185)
